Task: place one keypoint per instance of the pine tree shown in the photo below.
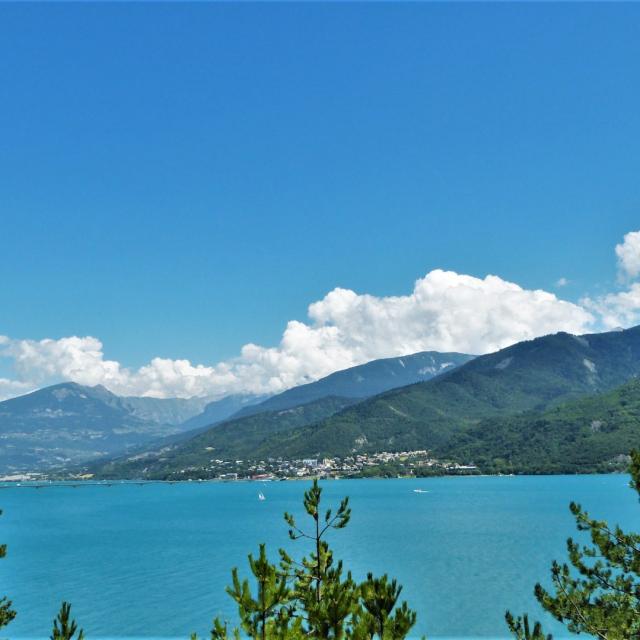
(379, 598)
(315, 597)
(521, 630)
(599, 594)
(65, 627)
(7, 614)
(326, 599)
(266, 614)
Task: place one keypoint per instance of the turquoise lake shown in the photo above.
(153, 560)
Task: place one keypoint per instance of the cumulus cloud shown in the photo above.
(628, 252)
(562, 282)
(11, 388)
(621, 308)
(446, 311)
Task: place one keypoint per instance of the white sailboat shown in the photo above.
(261, 496)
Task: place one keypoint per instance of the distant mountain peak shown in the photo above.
(365, 380)
(68, 421)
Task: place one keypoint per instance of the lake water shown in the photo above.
(153, 560)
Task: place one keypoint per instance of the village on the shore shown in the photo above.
(383, 465)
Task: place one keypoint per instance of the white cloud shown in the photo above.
(446, 311)
(11, 388)
(628, 252)
(621, 309)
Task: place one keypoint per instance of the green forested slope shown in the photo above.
(365, 380)
(228, 441)
(591, 434)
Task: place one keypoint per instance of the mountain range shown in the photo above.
(530, 375)
(66, 424)
(364, 381)
(459, 414)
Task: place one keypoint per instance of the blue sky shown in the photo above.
(180, 180)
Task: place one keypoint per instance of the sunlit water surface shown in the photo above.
(153, 560)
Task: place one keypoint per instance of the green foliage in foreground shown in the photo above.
(521, 629)
(64, 626)
(598, 591)
(314, 597)
(7, 614)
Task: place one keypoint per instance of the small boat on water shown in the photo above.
(261, 496)
(420, 491)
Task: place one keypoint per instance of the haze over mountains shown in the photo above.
(67, 423)
(70, 422)
(455, 414)
(218, 410)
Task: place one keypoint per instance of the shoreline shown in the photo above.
(76, 484)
